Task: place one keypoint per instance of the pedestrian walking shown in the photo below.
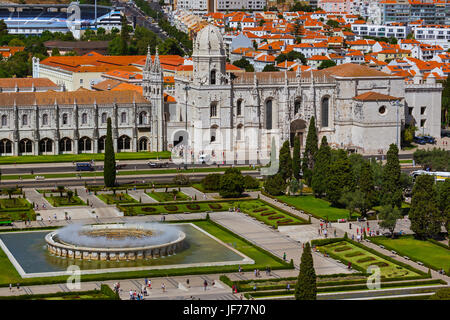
(284, 256)
(150, 283)
(10, 287)
(163, 287)
(205, 284)
(187, 283)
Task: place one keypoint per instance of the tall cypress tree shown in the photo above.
(285, 168)
(340, 177)
(124, 36)
(424, 213)
(310, 151)
(306, 288)
(296, 160)
(321, 169)
(109, 170)
(366, 185)
(391, 186)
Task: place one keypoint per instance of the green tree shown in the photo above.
(321, 169)
(424, 213)
(61, 190)
(232, 185)
(443, 189)
(333, 23)
(3, 28)
(340, 177)
(367, 187)
(124, 36)
(244, 64)
(326, 64)
(211, 181)
(310, 151)
(392, 193)
(275, 185)
(109, 170)
(285, 168)
(55, 52)
(306, 288)
(170, 47)
(441, 294)
(269, 68)
(389, 216)
(295, 55)
(294, 186)
(16, 43)
(250, 182)
(296, 158)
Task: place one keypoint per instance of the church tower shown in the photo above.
(209, 57)
(153, 90)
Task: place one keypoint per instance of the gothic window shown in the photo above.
(213, 110)
(25, 120)
(143, 117)
(45, 145)
(143, 143)
(325, 107)
(269, 114)
(84, 144)
(45, 119)
(296, 106)
(25, 146)
(84, 118)
(101, 143)
(124, 143)
(104, 117)
(5, 146)
(239, 107)
(123, 117)
(65, 118)
(65, 144)
(213, 77)
(239, 132)
(213, 133)
(4, 120)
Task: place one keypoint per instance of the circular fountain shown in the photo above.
(115, 242)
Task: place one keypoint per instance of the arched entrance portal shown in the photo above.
(297, 128)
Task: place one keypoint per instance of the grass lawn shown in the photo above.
(192, 206)
(58, 201)
(168, 196)
(418, 250)
(83, 157)
(317, 207)
(8, 273)
(16, 209)
(118, 198)
(363, 259)
(268, 214)
(14, 203)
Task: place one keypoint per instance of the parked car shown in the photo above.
(158, 164)
(420, 140)
(430, 139)
(120, 166)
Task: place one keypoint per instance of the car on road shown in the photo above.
(152, 164)
(120, 166)
(420, 140)
(84, 166)
(430, 139)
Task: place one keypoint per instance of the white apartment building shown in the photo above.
(374, 30)
(205, 6)
(435, 35)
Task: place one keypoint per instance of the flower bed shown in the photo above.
(381, 264)
(171, 208)
(276, 217)
(366, 259)
(215, 206)
(354, 254)
(148, 209)
(193, 206)
(285, 221)
(260, 209)
(340, 249)
(267, 213)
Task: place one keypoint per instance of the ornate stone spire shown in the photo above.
(156, 64)
(298, 73)
(148, 61)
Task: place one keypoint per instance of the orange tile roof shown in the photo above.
(375, 96)
(27, 83)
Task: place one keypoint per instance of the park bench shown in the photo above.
(39, 178)
(393, 252)
(381, 246)
(406, 257)
(420, 263)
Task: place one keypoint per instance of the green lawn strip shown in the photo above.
(179, 207)
(262, 258)
(16, 209)
(168, 196)
(269, 214)
(105, 293)
(318, 208)
(120, 173)
(200, 188)
(432, 255)
(266, 294)
(118, 198)
(345, 249)
(58, 201)
(83, 157)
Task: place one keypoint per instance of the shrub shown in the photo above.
(181, 180)
(171, 208)
(275, 217)
(260, 209)
(275, 185)
(231, 184)
(211, 182)
(267, 213)
(148, 209)
(381, 264)
(354, 254)
(340, 249)
(250, 182)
